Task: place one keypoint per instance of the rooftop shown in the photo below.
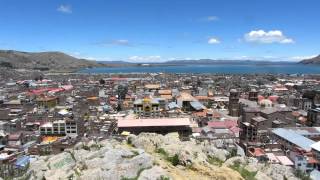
(294, 138)
(153, 122)
(259, 119)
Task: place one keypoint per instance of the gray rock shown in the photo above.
(155, 173)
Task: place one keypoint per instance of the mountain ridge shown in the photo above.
(59, 61)
(51, 60)
(314, 60)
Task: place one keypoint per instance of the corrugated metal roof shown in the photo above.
(197, 105)
(173, 105)
(294, 138)
(22, 161)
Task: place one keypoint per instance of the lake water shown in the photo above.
(220, 69)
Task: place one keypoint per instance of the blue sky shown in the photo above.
(159, 30)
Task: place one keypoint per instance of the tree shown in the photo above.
(122, 91)
(102, 81)
(119, 108)
(209, 105)
(26, 85)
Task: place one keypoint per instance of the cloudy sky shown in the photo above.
(159, 30)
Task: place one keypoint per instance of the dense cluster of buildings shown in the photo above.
(275, 118)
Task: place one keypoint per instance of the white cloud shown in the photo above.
(123, 42)
(213, 41)
(212, 18)
(118, 42)
(65, 9)
(145, 58)
(298, 58)
(80, 55)
(267, 37)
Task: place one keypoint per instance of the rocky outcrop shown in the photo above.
(107, 160)
(150, 156)
(263, 171)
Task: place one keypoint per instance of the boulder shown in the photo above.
(154, 173)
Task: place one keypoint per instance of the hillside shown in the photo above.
(315, 60)
(151, 156)
(55, 61)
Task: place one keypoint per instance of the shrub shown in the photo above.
(174, 160)
(129, 140)
(243, 171)
(302, 175)
(214, 161)
(136, 153)
(85, 147)
(232, 153)
(96, 146)
(162, 177)
(161, 151)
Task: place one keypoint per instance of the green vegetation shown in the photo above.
(209, 105)
(136, 153)
(72, 155)
(6, 64)
(174, 160)
(77, 173)
(302, 175)
(93, 146)
(162, 152)
(232, 153)
(243, 171)
(138, 174)
(214, 161)
(129, 140)
(96, 146)
(162, 177)
(85, 147)
(71, 177)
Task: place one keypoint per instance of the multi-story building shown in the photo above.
(234, 103)
(255, 121)
(147, 107)
(313, 118)
(59, 127)
(253, 95)
(71, 127)
(303, 103)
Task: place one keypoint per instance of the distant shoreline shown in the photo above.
(284, 68)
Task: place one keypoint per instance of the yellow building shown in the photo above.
(147, 107)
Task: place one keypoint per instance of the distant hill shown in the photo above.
(315, 60)
(234, 62)
(56, 61)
